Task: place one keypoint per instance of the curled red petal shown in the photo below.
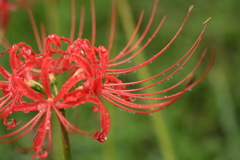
(105, 124)
(43, 154)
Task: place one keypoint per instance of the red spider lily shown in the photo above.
(90, 77)
(32, 78)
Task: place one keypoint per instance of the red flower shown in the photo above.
(33, 77)
(90, 77)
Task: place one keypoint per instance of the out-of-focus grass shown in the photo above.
(203, 124)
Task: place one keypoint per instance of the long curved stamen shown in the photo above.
(163, 72)
(112, 28)
(194, 48)
(73, 19)
(4, 100)
(145, 31)
(93, 22)
(153, 108)
(43, 129)
(121, 54)
(68, 125)
(3, 71)
(143, 47)
(81, 22)
(43, 33)
(160, 52)
(6, 44)
(143, 96)
(32, 123)
(35, 31)
(170, 96)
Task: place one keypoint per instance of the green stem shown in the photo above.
(159, 123)
(57, 145)
(65, 140)
(65, 146)
(64, 134)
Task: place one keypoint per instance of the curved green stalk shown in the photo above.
(65, 140)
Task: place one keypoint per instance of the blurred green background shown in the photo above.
(202, 124)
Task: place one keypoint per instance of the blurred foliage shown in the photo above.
(202, 124)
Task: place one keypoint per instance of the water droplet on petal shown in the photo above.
(131, 112)
(132, 99)
(40, 106)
